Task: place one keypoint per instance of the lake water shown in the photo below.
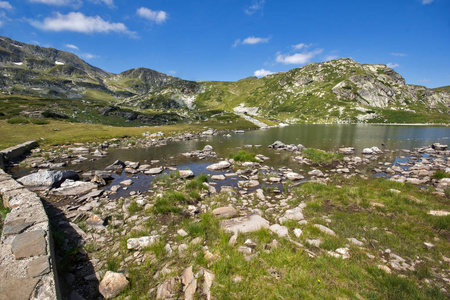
(325, 137)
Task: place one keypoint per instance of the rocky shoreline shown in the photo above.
(255, 196)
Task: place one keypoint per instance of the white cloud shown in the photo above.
(262, 73)
(427, 1)
(398, 54)
(392, 65)
(157, 16)
(5, 5)
(257, 5)
(58, 2)
(297, 58)
(72, 46)
(251, 40)
(109, 3)
(426, 80)
(78, 22)
(300, 46)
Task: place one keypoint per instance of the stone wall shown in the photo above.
(16, 151)
(27, 268)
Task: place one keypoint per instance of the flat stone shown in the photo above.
(154, 171)
(244, 224)
(218, 177)
(17, 288)
(38, 267)
(225, 212)
(355, 242)
(16, 227)
(219, 166)
(127, 182)
(74, 188)
(112, 284)
(29, 244)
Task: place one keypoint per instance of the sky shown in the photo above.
(227, 40)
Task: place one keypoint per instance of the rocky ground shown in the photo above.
(330, 231)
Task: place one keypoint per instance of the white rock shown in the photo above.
(139, 243)
(186, 173)
(294, 176)
(281, 231)
(112, 284)
(219, 166)
(244, 224)
(325, 229)
(298, 232)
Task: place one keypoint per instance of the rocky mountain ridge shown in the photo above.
(336, 91)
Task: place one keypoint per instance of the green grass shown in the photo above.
(169, 203)
(321, 157)
(242, 156)
(440, 174)
(18, 120)
(3, 212)
(134, 207)
(196, 184)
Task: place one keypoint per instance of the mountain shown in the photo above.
(337, 91)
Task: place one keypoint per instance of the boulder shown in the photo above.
(47, 179)
(218, 177)
(112, 284)
(439, 147)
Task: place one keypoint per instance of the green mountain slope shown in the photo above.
(338, 91)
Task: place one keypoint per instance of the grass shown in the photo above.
(440, 174)
(242, 156)
(60, 132)
(321, 157)
(3, 212)
(286, 270)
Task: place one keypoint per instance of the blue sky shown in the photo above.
(233, 39)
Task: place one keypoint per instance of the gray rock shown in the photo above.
(225, 212)
(43, 180)
(186, 173)
(127, 182)
(95, 221)
(139, 243)
(116, 166)
(218, 177)
(316, 173)
(154, 171)
(219, 166)
(277, 145)
(325, 229)
(167, 289)
(112, 284)
(244, 224)
(29, 244)
(294, 176)
(73, 188)
(281, 231)
(208, 277)
(38, 267)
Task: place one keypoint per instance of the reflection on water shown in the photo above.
(325, 137)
